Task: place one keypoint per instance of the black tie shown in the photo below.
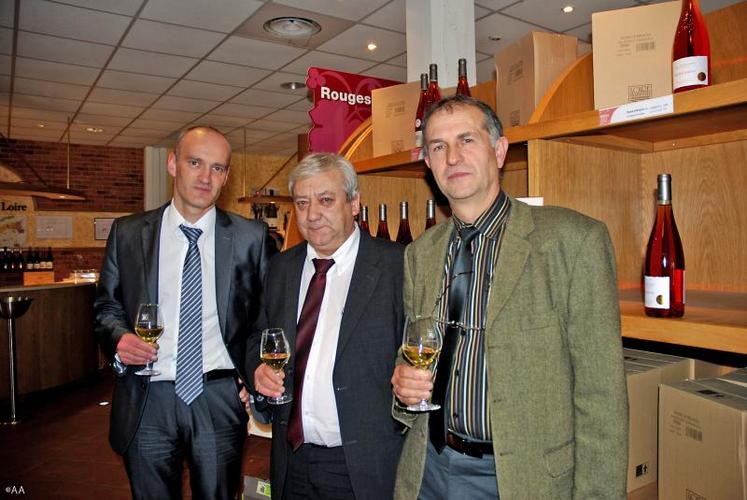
(461, 272)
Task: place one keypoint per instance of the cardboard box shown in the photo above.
(393, 118)
(632, 53)
(644, 372)
(703, 439)
(526, 69)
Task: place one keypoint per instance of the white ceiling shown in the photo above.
(143, 69)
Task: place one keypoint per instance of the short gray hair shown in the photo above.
(491, 123)
(316, 163)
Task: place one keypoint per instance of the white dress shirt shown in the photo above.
(319, 408)
(172, 251)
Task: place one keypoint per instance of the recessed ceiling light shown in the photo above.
(94, 130)
(494, 38)
(371, 46)
(40, 125)
(568, 9)
(293, 85)
(292, 27)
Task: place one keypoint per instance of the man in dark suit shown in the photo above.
(337, 438)
(204, 267)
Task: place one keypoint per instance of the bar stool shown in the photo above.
(12, 308)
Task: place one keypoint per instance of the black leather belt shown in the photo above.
(218, 374)
(470, 448)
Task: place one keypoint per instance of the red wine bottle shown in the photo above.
(403, 234)
(383, 230)
(434, 91)
(430, 214)
(462, 84)
(691, 52)
(363, 223)
(422, 107)
(664, 273)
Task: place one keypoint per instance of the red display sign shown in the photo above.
(342, 101)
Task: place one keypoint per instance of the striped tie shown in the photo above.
(189, 351)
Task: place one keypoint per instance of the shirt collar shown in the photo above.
(491, 220)
(173, 219)
(344, 256)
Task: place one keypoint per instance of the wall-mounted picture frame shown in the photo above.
(101, 227)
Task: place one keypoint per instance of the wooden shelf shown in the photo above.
(712, 320)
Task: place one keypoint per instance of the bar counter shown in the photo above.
(54, 340)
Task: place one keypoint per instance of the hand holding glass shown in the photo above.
(274, 352)
(149, 327)
(421, 345)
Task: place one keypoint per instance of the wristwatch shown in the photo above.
(118, 367)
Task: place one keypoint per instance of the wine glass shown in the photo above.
(149, 327)
(274, 352)
(421, 344)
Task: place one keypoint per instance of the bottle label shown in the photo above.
(690, 71)
(656, 292)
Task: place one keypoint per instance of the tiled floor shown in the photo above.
(60, 450)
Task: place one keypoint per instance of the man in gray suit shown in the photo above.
(338, 296)
(530, 378)
(205, 268)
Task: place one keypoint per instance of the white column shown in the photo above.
(441, 32)
(157, 181)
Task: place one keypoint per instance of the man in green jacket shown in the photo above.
(530, 378)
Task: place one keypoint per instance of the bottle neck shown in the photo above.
(382, 212)
(403, 211)
(364, 214)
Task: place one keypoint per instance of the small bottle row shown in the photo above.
(29, 259)
(404, 235)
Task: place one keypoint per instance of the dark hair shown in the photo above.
(492, 123)
(187, 130)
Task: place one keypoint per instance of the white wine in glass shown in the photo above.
(421, 344)
(275, 352)
(149, 327)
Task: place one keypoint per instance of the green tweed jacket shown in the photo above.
(558, 399)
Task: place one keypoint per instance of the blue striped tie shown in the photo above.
(189, 351)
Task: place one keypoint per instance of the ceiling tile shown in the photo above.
(150, 63)
(170, 39)
(184, 103)
(46, 103)
(346, 10)
(326, 60)
(271, 126)
(130, 142)
(141, 132)
(167, 127)
(100, 108)
(237, 136)
(582, 32)
(290, 116)
(50, 89)
(114, 96)
(48, 124)
(53, 18)
(509, 30)
(240, 110)
(63, 50)
(34, 134)
(223, 121)
(134, 82)
(39, 114)
(101, 121)
(4, 65)
(352, 42)
(126, 7)
(400, 60)
(7, 10)
(257, 53)
(481, 12)
(170, 115)
(201, 90)
(485, 70)
(270, 99)
(45, 70)
(389, 72)
(5, 85)
(494, 4)
(391, 16)
(227, 74)
(301, 105)
(6, 41)
(548, 13)
(224, 17)
(272, 83)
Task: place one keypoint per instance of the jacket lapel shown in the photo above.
(429, 269)
(150, 240)
(223, 265)
(292, 286)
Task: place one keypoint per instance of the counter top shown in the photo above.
(50, 286)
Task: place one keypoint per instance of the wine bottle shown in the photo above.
(383, 230)
(664, 273)
(434, 91)
(363, 223)
(430, 214)
(49, 261)
(420, 112)
(403, 234)
(462, 84)
(29, 265)
(691, 52)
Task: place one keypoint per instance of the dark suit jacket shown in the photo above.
(370, 334)
(129, 277)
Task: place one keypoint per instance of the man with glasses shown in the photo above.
(530, 378)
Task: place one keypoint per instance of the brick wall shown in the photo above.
(67, 259)
(111, 178)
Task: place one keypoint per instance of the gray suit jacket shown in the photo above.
(129, 277)
(558, 400)
(370, 334)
